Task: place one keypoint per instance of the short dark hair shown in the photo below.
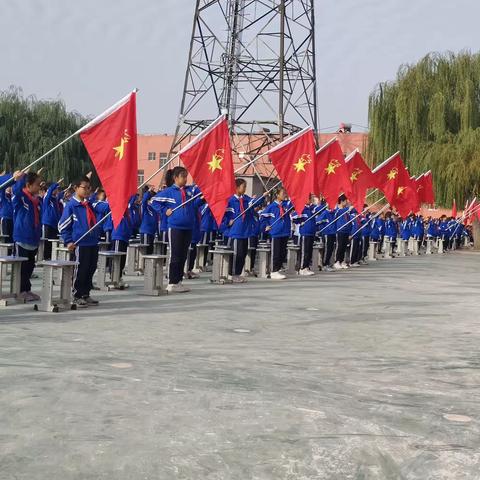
(240, 181)
(342, 198)
(81, 180)
(31, 177)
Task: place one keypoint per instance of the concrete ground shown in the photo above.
(372, 373)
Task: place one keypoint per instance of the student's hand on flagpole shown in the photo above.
(230, 223)
(268, 228)
(89, 175)
(18, 175)
(168, 212)
(39, 172)
(71, 247)
(60, 181)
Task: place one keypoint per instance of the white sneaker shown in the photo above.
(177, 288)
(306, 272)
(238, 279)
(327, 268)
(192, 275)
(337, 266)
(354, 265)
(344, 265)
(277, 276)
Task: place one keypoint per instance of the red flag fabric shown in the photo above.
(208, 159)
(361, 178)
(393, 179)
(428, 192)
(333, 177)
(454, 209)
(294, 161)
(111, 142)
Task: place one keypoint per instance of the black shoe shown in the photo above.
(80, 303)
(91, 302)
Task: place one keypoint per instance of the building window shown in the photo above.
(163, 156)
(152, 156)
(140, 177)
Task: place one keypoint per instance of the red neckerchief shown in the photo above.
(184, 195)
(280, 206)
(242, 207)
(35, 202)
(91, 219)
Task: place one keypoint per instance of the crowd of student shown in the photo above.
(31, 210)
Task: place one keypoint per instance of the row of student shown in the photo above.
(179, 216)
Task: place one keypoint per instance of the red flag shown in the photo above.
(208, 158)
(454, 209)
(428, 193)
(293, 160)
(393, 179)
(332, 174)
(111, 142)
(469, 211)
(361, 178)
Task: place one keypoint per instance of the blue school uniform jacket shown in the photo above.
(390, 228)
(242, 227)
(127, 225)
(24, 228)
(51, 210)
(325, 222)
(73, 224)
(184, 217)
(342, 217)
(309, 228)
(6, 206)
(149, 222)
(207, 222)
(283, 227)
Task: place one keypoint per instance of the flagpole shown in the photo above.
(278, 219)
(314, 215)
(80, 130)
(363, 211)
(385, 162)
(335, 219)
(375, 216)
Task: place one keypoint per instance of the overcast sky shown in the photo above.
(92, 52)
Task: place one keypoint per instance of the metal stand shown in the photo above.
(317, 257)
(429, 246)
(292, 259)
(114, 271)
(264, 259)
(11, 296)
(202, 251)
(222, 259)
(135, 254)
(6, 249)
(49, 303)
(372, 251)
(388, 248)
(153, 275)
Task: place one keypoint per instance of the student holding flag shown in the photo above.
(342, 217)
(77, 219)
(279, 227)
(307, 232)
(6, 210)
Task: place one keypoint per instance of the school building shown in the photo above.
(153, 153)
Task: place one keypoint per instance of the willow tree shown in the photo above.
(431, 113)
(30, 127)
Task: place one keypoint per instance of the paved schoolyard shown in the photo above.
(372, 373)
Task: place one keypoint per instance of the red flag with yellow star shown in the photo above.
(294, 161)
(333, 177)
(393, 179)
(208, 159)
(361, 179)
(111, 142)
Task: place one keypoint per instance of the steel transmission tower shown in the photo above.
(255, 61)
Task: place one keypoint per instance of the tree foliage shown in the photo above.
(30, 127)
(431, 113)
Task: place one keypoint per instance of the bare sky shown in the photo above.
(92, 52)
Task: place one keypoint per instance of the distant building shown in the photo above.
(153, 153)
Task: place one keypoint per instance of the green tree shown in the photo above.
(431, 113)
(30, 127)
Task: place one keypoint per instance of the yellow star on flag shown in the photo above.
(391, 175)
(355, 174)
(120, 150)
(302, 161)
(215, 162)
(332, 166)
(400, 190)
